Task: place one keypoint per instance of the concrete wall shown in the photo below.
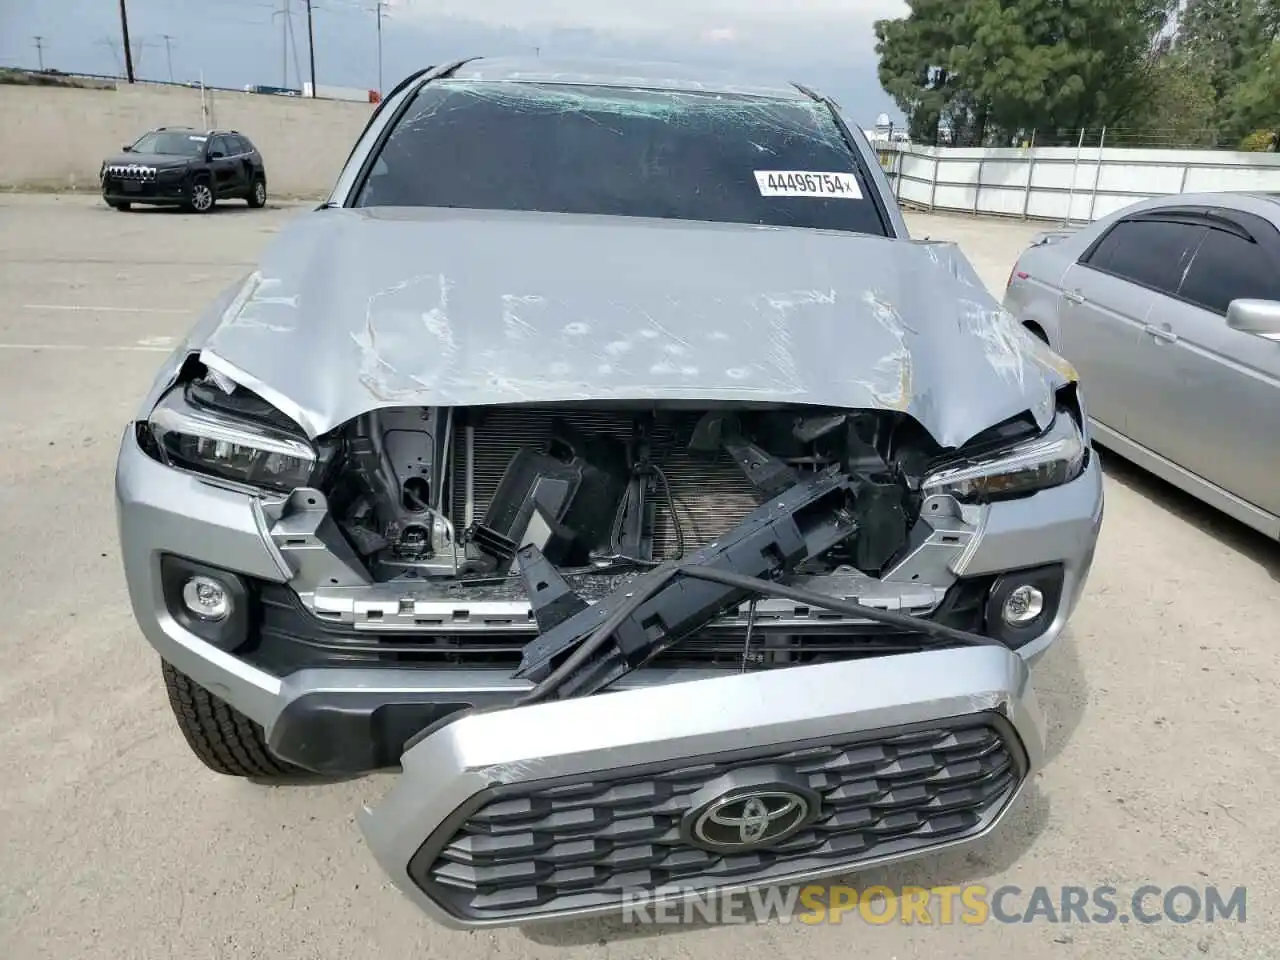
(57, 137)
(1063, 184)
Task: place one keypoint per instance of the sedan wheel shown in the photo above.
(201, 197)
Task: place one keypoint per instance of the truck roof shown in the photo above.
(628, 73)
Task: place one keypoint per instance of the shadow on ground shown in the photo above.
(1229, 532)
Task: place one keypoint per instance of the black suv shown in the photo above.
(184, 167)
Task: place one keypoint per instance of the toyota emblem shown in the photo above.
(755, 818)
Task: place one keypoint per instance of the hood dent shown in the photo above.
(509, 308)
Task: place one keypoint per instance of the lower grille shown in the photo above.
(711, 494)
(291, 637)
(555, 846)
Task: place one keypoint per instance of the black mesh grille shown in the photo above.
(591, 843)
(290, 636)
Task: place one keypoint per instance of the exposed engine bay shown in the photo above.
(685, 514)
(458, 493)
(569, 544)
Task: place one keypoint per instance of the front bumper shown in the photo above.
(588, 806)
(162, 511)
(155, 191)
(582, 806)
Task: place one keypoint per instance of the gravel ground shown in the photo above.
(116, 843)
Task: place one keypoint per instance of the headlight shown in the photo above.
(1055, 457)
(170, 174)
(211, 442)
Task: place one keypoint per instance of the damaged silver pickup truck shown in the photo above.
(605, 457)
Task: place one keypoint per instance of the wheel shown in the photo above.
(223, 738)
(258, 195)
(200, 198)
(120, 205)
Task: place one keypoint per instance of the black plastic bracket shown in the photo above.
(803, 522)
(552, 599)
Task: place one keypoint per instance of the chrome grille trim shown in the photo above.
(397, 607)
(131, 171)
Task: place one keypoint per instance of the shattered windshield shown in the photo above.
(175, 144)
(621, 152)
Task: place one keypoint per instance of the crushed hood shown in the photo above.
(353, 310)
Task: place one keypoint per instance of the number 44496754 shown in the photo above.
(807, 183)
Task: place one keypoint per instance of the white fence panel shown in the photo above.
(1065, 184)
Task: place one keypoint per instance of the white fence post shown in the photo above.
(1075, 167)
(933, 186)
(977, 186)
(1097, 174)
(1031, 170)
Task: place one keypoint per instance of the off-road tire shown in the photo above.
(257, 196)
(121, 205)
(223, 738)
(198, 201)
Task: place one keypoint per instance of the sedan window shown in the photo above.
(1153, 253)
(1228, 267)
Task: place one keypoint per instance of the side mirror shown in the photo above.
(1258, 317)
(216, 154)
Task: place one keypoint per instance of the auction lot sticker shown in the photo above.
(807, 183)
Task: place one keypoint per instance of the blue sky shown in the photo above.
(828, 44)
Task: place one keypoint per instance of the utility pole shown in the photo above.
(39, 51)
(168, 53)
(128, 53)
(378, 8)
(284, 42)
(311, 48)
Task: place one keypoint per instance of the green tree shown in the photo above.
(913, 53)
(1181, 107)
(999, 68)
(1253, 104)
(1228, 37)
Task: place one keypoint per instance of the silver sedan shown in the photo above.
(1170, 312)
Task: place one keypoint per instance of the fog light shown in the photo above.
(1023, 605)
(206, 598)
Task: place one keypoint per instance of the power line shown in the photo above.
(293, 45)
(114, 46)
(168, 53)
(138, 49)
(39, 51)
(289, 40)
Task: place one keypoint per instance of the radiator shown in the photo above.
(711, 494)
